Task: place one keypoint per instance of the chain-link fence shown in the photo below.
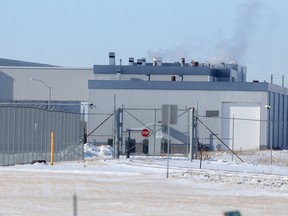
(124, 128)
(25, 134)
(236, 133)
(142, 131)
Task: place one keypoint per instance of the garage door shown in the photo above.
(241, 126)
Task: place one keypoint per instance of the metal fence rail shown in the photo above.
(25, 134)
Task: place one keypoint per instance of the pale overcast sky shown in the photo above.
(80, 33)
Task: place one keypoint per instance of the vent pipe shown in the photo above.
(182, 62)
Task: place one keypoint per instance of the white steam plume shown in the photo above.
(235, 48)
(169, 55)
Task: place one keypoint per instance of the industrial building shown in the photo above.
(245, 115)
(17, 82)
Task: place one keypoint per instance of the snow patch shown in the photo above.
(92, 151)
(258, 181)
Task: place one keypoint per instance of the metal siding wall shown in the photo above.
(154, 77)
(204, 100)
(6, 86)
(66, 129)
(264, 128)
(273, 102)
(281, 117)
(25, 135)
(285, 120)
(5, 131)
(66, 84)
(269, 120)
(45, 135)
(276, 120)
(9, 135)
(21, 135)
(57, 135)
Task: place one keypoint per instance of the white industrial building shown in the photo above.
(67, 84)
(246, 115)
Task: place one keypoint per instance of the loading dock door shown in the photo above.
(241, 126)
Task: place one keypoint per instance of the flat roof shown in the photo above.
(12, 62)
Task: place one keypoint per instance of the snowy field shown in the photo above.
(101, 185)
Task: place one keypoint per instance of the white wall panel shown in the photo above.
(241, 125)
(68, 84)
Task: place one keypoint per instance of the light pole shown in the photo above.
(270, 133)
(48, 87)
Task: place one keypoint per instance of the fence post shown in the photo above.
(52, 149)
(191, 116)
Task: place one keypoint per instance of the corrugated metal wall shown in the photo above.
(25, 135)
(278, 120)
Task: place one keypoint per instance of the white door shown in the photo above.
(241, 126)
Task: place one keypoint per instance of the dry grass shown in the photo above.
(256, 157)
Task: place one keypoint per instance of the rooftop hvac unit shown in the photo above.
(143, 61)
(111, 58)
(157, 61)
(131, 61)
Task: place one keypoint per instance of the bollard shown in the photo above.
(52, 149)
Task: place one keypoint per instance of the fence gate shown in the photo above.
(141, 131)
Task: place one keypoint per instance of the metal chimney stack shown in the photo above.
(182, 62)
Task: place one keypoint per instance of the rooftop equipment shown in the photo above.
(182, 62)
(131, 61)
(111, 58)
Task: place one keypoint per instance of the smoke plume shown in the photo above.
(234, 48)
(169, 55)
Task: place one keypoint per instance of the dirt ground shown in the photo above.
(37, 193)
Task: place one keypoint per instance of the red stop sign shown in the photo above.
(145, 132)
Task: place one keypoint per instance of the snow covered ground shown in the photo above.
(101, 185)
